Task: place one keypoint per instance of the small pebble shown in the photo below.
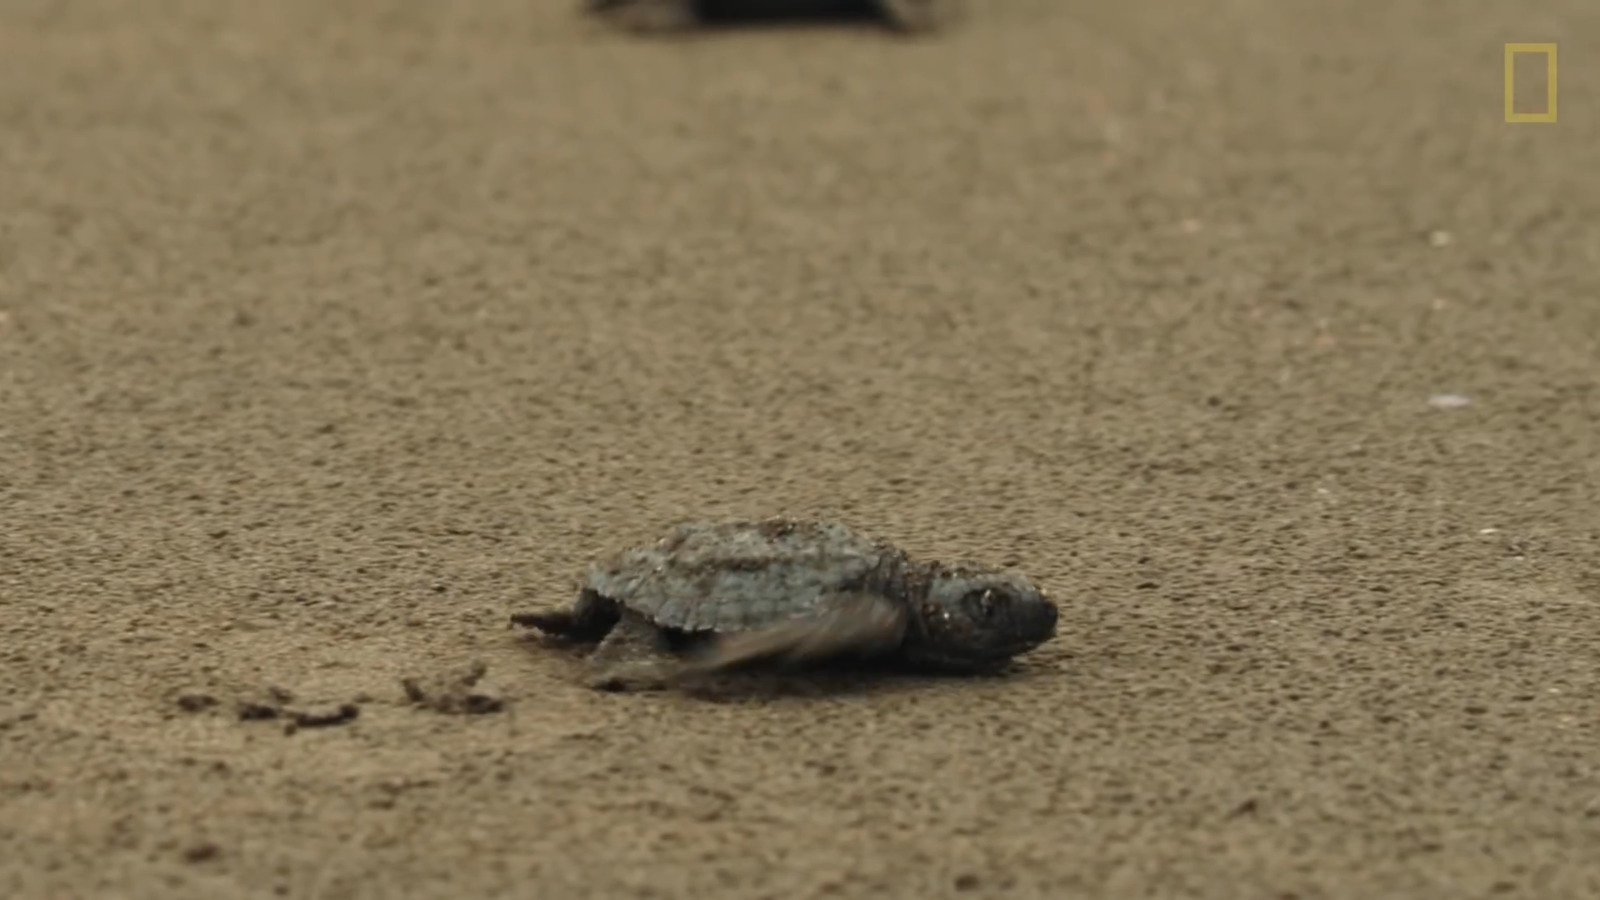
(257, 712)
(201, 852)
(345, 712)
(196, 702)
(1449, 401)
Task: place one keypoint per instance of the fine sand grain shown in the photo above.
(333, 332)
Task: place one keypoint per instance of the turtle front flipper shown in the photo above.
(860, 625)
(920, 15)
(631, 658)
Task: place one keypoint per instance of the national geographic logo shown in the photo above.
(1548, 51)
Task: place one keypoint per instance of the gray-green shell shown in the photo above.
(733, 576)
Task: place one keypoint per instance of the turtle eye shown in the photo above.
(983, 604)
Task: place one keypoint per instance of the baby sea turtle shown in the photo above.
(711, 596)
(668, 15)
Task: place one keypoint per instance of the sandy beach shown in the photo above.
(333, 333)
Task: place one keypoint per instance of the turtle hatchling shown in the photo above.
(671, 15)
(711, 596)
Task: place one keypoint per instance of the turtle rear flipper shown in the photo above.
(588, 620)
(862, 625)
(648, 15)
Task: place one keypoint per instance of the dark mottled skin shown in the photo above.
(793, 591)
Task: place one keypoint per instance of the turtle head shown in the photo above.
(973, 617)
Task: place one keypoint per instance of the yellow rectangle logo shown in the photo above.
(1549, 52)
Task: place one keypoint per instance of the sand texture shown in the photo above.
(332, 333)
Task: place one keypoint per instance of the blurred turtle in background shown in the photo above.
(670, 15)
